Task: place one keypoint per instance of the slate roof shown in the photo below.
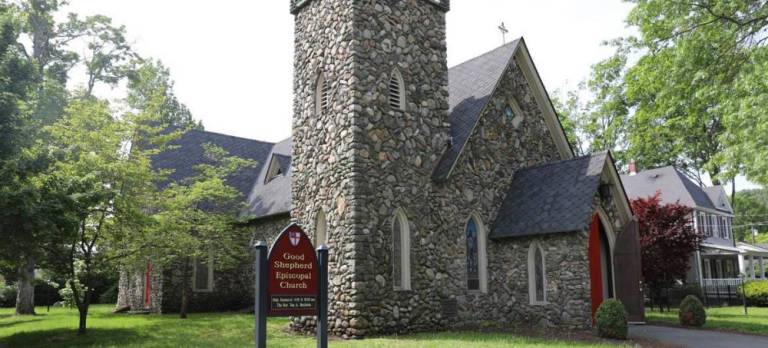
(273, 197)
(470, 86)
(188, 152)
(551, 198)
(674, 187)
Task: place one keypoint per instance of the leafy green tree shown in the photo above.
(751, 207)
(150, 82)
(17, 76)
(104, 183)
(692, 93)
(571, 111)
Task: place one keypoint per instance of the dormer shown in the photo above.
(278, 166)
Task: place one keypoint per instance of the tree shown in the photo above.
(151, 82)
(198, 216)
(570, 111)
(103, 183)
(48, 51)
(667, 241)
(693, 93)
(751, 208)
(17, 76)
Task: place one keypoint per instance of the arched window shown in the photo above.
(321, 234)
(396, 91)
(322, 95)
(401, 252)
(477, 264)
(537, 274)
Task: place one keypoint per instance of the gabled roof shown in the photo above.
(674, 187)
(472, 84)
(551, 198)
(273, 197)
(188, 152)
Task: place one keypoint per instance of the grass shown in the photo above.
(57, 328)
(723, 318)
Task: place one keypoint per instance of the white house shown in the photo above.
(720, 259)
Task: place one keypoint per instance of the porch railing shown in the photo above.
(723, 288)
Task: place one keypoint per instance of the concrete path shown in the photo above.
(696, 338)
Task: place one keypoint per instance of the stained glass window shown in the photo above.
(509, 114)
(473, 266)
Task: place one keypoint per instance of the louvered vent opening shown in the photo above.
(325, 101)
(396, 92)
(322, 95)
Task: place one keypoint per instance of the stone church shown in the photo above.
(448, 196)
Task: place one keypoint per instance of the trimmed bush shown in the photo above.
(756, 293)
(611, 318)
(692, 312)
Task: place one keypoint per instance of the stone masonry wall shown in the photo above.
(233, 284)
(362, 160)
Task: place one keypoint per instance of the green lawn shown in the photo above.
(57, 329)
(724, 318)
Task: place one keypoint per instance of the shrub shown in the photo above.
(756, 293)
(611, 320)
(7, 295)
(692, 312)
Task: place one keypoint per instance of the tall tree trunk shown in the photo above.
(25, 297)
(184, 289)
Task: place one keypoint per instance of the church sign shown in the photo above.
(292, 275)
(291, 279)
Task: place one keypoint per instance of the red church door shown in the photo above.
(600, 274)
(148, 286)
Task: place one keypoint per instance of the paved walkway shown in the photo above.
(696, 338)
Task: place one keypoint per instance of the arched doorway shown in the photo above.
(600, 263)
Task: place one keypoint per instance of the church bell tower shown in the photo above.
(370, 122)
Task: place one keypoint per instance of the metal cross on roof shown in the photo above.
(504, 31)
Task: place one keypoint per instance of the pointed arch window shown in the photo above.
(396, 91)
(401, 252)
(321, 229)
(537, 275)
(322, 95)
(477, 268)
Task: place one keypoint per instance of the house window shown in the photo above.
(396, 91)
(202, 274)
(322, 95)
(321, 234)
(537, 280)
(707, 269)
(401, 252)
(710, 223)
(719, 268)
(700, 223)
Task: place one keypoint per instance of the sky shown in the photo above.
(232, 60)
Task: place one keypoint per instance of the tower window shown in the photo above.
(401, 252)
(322, 95)
(396, 91)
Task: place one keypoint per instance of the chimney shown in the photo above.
(632, 168)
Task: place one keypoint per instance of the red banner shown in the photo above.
(292, 274)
